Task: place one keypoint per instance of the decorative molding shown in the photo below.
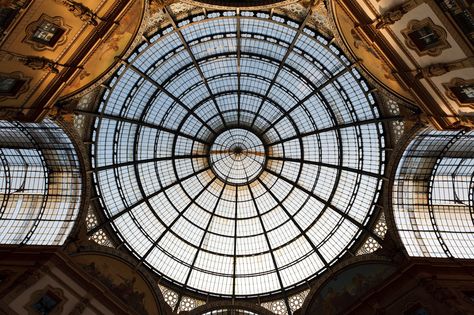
(14, 9)
(395, 14)
(81, 11)
(31, 29)
(296, 301)
(343, 43)
(454, 83)
(230, 305)
(277, 307)
(438, 69)
(33, 62)
(138, 39)
(18, 76)
(115, 253)
(243, 5)
(436, 115)
(171, 297)
(15, 5)
(434, 50)
(37, 295)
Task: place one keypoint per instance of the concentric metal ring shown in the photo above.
(237, 156)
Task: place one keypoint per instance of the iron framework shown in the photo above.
(433, 203)
(322, 139)
(40, 184)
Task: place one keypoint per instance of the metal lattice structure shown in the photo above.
(238, 154)
(433, 195)
(230, 312)
(277, 307)
(40, 184)
(99, 236)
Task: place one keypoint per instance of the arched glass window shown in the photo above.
(40, 184)
(433, 189)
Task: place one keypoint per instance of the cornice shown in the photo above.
(43, 103)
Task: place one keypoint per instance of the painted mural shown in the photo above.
(370, 59)
(124, 288)
(106, 54)
(348, 286)
(417, 309)
(121, 279)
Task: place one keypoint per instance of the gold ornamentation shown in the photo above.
(36, 62)
(82, 12)
(452, 91)
(33, 27)
(438, 69)
(15, 5)
(425, 37)
(394, 15)
(17, 75)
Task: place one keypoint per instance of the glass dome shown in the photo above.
(241, 3)
(238, 155)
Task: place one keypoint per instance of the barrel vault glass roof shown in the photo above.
(238, 155)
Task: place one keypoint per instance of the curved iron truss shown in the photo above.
(40, 184)
(433, 195)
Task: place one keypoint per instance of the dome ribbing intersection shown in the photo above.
(237, 156)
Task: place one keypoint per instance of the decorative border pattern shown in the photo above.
(35, 296)
(20, 76)
(415, 25)
(454, 83)
(31, 29)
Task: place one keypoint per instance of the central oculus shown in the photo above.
(237, 156)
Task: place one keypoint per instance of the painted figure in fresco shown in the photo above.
(125, 290)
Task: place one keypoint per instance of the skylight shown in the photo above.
(238, 155)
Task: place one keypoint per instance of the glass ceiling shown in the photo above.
(433, 195)
(238, 155)
(40, 184)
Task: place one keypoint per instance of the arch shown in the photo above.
(432, 196)
(40, 184)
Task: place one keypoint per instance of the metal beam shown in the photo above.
(142, 124)
(339, 167)
(239, 51)
(337, 127)
(193, 58)
(170, 95)
(168, 228)
(139, 202)
(156, 159)
(307, 97)
(203, 236)
(270, 249)
(302, 232)
(234, 262)
(282, 63)
(328, 205)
